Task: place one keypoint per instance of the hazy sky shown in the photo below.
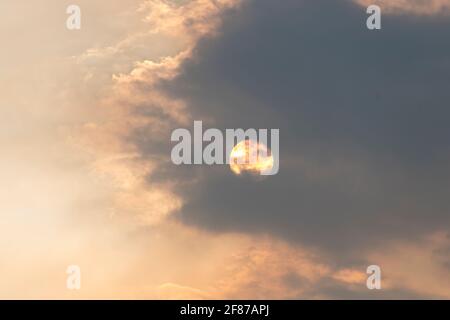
(86, 176)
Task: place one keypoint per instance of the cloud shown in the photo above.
(364, 148)
(69, 171)
(192, 19)
(419, 7)
(364, 163)
(138, 110)
(420, 267)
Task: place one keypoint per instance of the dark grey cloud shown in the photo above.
(340, 291)
(363, 118)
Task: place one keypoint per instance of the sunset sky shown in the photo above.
(86, 176)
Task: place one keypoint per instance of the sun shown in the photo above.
(251, 157)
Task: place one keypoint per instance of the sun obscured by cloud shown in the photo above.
(87, 179)
(250, 156)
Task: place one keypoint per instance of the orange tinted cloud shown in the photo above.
(95, 206)
(420, 267)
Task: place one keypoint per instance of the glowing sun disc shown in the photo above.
(250, 156)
